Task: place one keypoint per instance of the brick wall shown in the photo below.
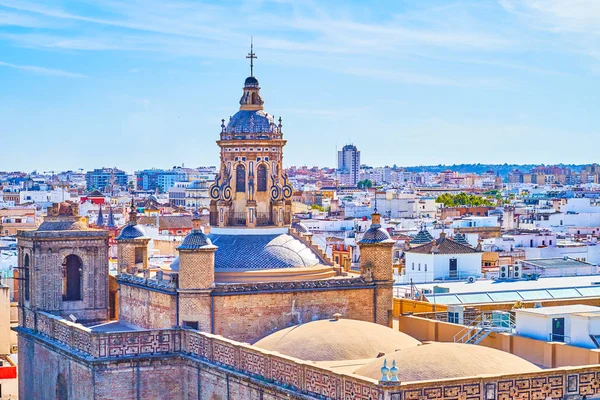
(250, 317)
(196, 307)
(146, 308)
(196, 268)
(380, 258)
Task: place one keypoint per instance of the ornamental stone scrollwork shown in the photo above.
(221, 190)
(275, 189)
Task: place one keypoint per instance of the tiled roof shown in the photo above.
(443, 245)
(131, 231)
(252, 252)
(460, 238)
(422, 237)
(375, 234)
(195, 240)
(245, 121)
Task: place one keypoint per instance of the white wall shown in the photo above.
(533, 326)
(467, 265)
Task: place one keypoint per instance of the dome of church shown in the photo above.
(195, 240)
(251, 121)
(251, 82)
(131, 231)
(336, 340)
(249, 252)
(435, 361)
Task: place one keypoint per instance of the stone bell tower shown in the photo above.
(376, 264)
(64, 267)
(252, 189)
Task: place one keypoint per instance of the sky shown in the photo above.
(138, 84)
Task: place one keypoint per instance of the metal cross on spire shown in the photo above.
(251, 56)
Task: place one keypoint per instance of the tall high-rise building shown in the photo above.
(348, 165)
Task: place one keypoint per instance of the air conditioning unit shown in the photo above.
(471, 279)
(504, 272)
(516, 272)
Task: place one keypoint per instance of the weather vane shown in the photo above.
(251, 56)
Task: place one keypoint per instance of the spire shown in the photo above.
(251, 56)
(375, 217)
(110, 223)
(100, 219)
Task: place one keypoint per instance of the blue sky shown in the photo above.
(144, 83)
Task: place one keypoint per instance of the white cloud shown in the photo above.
(43, 70)
(580, 16)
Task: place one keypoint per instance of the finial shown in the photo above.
(394, 372)
(280, 125)
(385, 371)
(251, 56)
(375, 209)
(223, 125)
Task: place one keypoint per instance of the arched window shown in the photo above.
(72, 274)
(240, 178)
(261, 175)
(253, 98)
(26, 278)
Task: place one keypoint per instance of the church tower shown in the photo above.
(252, 188)
(64, 267)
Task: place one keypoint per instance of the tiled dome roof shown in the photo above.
(255, 252)
(251, 82)
(195, 240)
(376, 234)
(131, 231)
(251, 121)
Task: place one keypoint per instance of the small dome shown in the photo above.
(336, 340)
(131, 231)
(300, 227)
(376, 234)
(436, 361)
(251, 121)
(195, 240)
(251, 82)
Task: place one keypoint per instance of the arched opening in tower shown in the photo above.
(72, 273)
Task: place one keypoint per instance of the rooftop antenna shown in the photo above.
(251, 56)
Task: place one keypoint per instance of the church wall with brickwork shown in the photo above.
(147, 308)
(249, 317)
